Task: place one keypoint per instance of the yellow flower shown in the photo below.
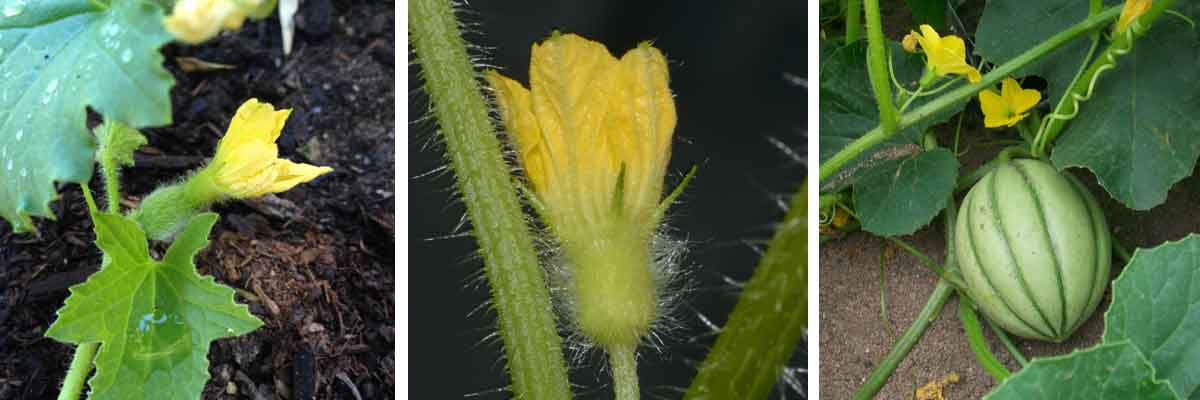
(594, 137)
(1132, 10)
(247, 164)
(194, 21)
(946, 55)
(1008, 107)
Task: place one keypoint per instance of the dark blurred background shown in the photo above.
(737, 69)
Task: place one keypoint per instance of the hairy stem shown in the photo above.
(623, 361)
(519, 293)
(768, 320)
(877, 68)
(879, 134)
(81, 367)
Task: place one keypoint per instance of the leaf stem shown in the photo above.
(974, 332)
(768, 320)
(877, 68)
(519, 293)
(81, 367)
(925, 111)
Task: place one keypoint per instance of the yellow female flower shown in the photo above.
(1132, 10)
(945, 55)
(247, 164)
(1009, 106)
(194, 21)
(594, 137)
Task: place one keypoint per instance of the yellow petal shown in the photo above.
(194, 21)
(292, 174)
(1025, 100)
(647, 148)
(994, 110)
(930, 34)
(1130, 12)
(512, 100)
(254, 121)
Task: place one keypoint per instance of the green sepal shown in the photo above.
(154, 319)
(117, 142)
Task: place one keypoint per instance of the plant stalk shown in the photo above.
(877, 69)
(879, 134)
(77, 373)
(768, 320)
(623, 361)
(853, 20)
(519, 293)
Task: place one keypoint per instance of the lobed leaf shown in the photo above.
(1110, 371)
(154, 319)
(1010, 27)
(900, 196)
(57, 58)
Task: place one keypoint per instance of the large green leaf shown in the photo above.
(901, 196)
(1110, 371)
(932, 12)
(58, 57)
(1156, 306)
(1139, 133)
(1010, 27)
(847, 109)
(154, 319)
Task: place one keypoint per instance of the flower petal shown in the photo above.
(292, 174)
(513, 101)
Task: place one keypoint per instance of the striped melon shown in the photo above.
(1034, 249)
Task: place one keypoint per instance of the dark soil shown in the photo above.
(854, 337)
(315, 263)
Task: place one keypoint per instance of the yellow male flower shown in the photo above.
(1130, 12)
(247, 164)
(1009, 106)
(195, 21)
(945, 55)
(594, 137)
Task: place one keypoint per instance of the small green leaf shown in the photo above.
(57, 58)
(848, 110)
(1156, 306)
(1139, 133)
(154, 319)
(1109, 371)
(1010, 27)
(900, 196)
(118, 142)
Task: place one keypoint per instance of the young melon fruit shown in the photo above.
(1034, 249)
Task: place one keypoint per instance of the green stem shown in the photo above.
(1081, 89)
(768, 320)
(81, 367)
(623, 360)
(1119, 250)
(519, 293)
(877, 68)
(925, 111)
(1008, 344)
(853, 20)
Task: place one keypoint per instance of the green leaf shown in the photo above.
(847, 109)
(58, 57)
(932, 12)
(900, 196)
(154, 319)
(1139, 133)
(1110, 371)
(1156, 306)
(117, 141)
(1010, 27)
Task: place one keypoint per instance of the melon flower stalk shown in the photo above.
(944, 55)
(246, 165)
(1008, 107)
(594, 136)
(195, 21)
